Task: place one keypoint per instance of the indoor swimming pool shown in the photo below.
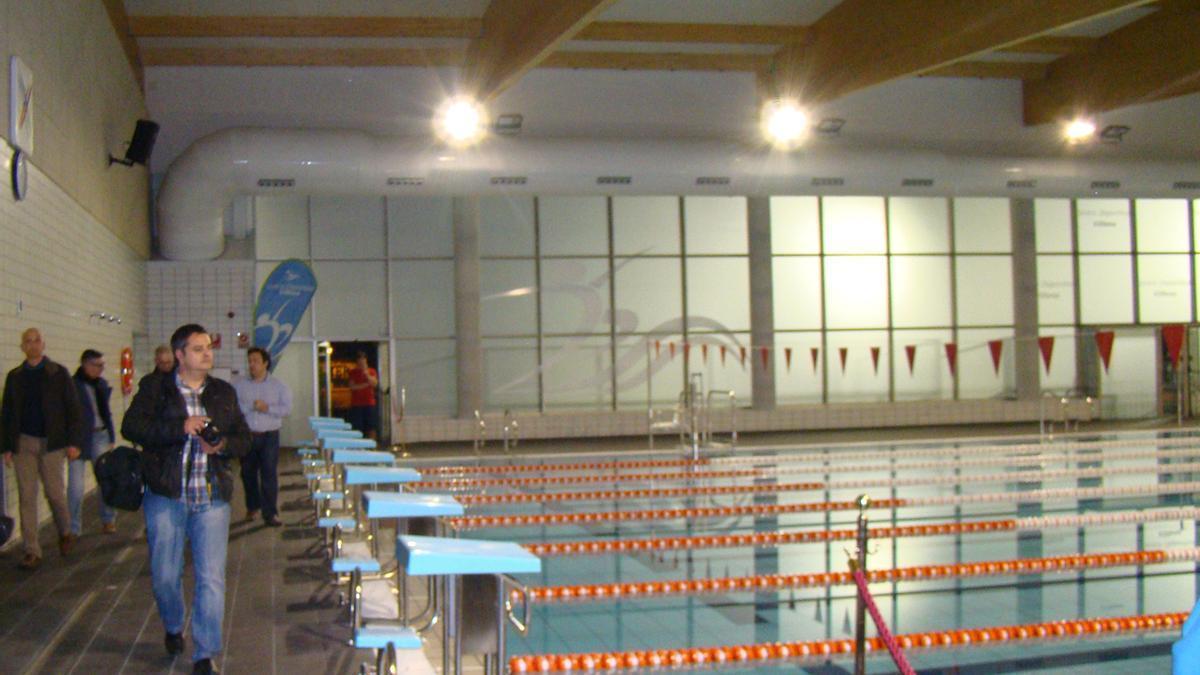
(995, 555)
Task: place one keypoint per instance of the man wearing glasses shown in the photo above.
(99, 435)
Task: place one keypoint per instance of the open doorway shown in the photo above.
(348, 391)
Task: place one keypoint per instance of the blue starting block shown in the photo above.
(354, 456)
(371, 474)
(444, 555)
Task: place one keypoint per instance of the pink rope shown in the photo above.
(889, 641)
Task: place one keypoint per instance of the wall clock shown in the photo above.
(19, 175)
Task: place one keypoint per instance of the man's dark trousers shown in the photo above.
(260, 473)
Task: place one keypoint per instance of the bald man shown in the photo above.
(42, 425)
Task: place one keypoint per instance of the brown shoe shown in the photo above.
(109, 528)
(30, 562)
(66, 543)
(251, 516)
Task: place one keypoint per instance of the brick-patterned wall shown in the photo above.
(205, 293)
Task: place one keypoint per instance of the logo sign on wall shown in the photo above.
(284, 297)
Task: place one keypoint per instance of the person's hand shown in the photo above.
(194, 424)
(260, 405)
(72, 452)
(212, 449)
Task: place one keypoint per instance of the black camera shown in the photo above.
(211, 433)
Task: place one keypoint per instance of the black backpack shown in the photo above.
(119, 475)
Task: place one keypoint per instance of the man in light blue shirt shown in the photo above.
(265, 401)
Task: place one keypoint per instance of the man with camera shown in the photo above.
(190, 427)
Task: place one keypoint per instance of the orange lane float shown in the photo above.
(823, 649)
(574, 466)
(571, 480)
(779, 582)
(648, 493)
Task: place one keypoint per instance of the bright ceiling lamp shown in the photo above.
(784, 123)
(1079, 130)
(460, 121)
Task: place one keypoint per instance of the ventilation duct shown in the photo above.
(202, 181)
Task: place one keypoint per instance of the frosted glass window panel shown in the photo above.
(860, 380)
(510, 374)
(351, 300)
(795, 225)
(573, 225)
(635, 357)
(649, 295)
(985, 290)
(1164, 288)
(1105, 289)
(423, 298)
(1162, 225)
(645, 225)
(853, 225)
(927, 376)
(920, 291)
(295, 369)
(918, 225)
(977, 374)
(1129, 388)
(856, 292)
(280, 227)
(304, 327)
(797, 290)
(420, 227)
(1052, 225)
(575, 295)
(1103, 225)
(577, 373)
(1056, 289)
(506, 226)
(718, 294)
(715, 225)
(802, 383)
(347, 227)
(426, 369)
(508, 297)
(718, 376)
(1061, 375)
(982, 225)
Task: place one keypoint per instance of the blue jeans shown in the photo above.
(169, 523)
(76, 471)
(260, 474)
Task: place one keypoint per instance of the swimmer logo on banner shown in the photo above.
(282, 301)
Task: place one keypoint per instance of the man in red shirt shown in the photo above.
(364, 414)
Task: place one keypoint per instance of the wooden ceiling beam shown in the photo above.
(860, 43)
(120, 24)
(327, 57)
(1154, 58)
(305, 26)
(517, 35)
(701, 33)
(992, 70)
(655, 61)
(1059, 45)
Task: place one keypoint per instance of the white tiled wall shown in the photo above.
(58, 267)
(218, 295)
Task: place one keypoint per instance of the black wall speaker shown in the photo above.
(140, 146)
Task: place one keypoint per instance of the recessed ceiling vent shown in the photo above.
(1027, 184)
(917, 182)
(1186, 185)
(404, 181)
(614, 180)
(276, 182)
(712, 180)
(828, 182)
(509, 180)
(1106, 185)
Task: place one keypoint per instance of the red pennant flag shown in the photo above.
(814, 352)
(687, 349)
(1104, 342)
(1046, 344)
(657, 346)
(875, 358)
(671, 349)
(764, 353)
(722, 355)
(952, 356)
(911, 352)
(1173, 337)
(842, 355)
(787, 357)
(704, 352)
(742, 351)
(996, 347)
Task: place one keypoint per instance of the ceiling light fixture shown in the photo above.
(460, 121)
(1113, 133)
(830, 126)
(508, 124)
(1079, 130)
(784, 123)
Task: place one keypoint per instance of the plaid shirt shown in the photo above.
(196, 489)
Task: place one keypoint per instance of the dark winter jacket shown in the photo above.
(60, 406)
(103, 392)
(155, 421)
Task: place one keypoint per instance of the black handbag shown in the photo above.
(119, 475)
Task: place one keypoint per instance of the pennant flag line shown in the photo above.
(687, 350)
(1046, 344)
(875, 358)
(1173, 337)
(765, 354)
(742, 351)
(911, 352)
(671, 348)
(996, 347)
(814, 351)
(704, 352)
(952, 357)
(1104, 343)
(657, 347)
(842, 355)
(787, 357)
(723, 355)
